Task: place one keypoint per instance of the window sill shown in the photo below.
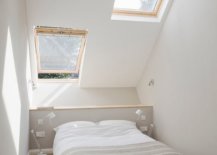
(58, 81)
(71, 82)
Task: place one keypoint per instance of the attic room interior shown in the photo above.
(114, 77)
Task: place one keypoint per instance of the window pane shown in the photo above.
(137, 5)
(59, 52)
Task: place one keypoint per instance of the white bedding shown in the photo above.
(99, 135)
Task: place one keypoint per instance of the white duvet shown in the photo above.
(101, 135)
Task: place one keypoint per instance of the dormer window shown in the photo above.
(59, 52)
(137, 7)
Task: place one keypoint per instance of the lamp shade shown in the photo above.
(51, 115)
(139, 112)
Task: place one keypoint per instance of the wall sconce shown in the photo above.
(40, 134)
(51, 116)
(140, 114)
(34, 84)
(151, 82)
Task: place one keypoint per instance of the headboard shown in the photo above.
(96, 114)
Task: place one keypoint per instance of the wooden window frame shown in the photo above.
(59, 31)
(125, 12)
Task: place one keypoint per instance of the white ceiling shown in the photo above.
(116, 51)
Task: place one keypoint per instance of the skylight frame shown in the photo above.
(58, 31)
(129, 12)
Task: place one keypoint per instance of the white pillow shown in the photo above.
(116, 122)
(75, 124)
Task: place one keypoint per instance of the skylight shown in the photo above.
(59, 52)
(137, 7)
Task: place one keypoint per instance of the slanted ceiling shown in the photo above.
(116, 51)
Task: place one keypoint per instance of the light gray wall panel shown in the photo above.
(67, 115)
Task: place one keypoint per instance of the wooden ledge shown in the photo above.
(86, 107)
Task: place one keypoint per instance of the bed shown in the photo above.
(111, 137)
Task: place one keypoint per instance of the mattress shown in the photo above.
(108, 140)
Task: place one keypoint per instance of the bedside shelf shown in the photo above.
(48, 151)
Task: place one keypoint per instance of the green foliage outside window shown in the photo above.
(58, 76)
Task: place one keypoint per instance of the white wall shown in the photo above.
(114, 57)
(116, 51)
(70, 95)
(183, 65)
(14, 115)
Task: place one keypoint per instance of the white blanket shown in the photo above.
(148, 148)
(67, 139)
